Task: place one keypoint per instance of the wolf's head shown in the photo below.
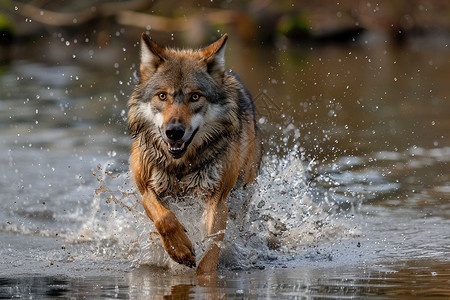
(181, 93)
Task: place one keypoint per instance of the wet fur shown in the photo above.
(225, 150)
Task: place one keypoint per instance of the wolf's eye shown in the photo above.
(195, 97)
(162, 96)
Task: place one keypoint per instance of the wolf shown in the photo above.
(194, 133)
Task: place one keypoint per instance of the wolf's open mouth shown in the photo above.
(178, 148)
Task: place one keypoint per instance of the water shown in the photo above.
(352, 200)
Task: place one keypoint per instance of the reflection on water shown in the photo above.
(423, 279)
(353, 199)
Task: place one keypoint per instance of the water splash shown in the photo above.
(278, 218)
(271, 220)
(110, 227)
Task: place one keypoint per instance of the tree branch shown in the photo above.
(73, 19)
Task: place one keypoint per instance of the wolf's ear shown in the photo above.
(152, 55)
(214, 55)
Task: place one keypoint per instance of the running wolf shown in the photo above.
(194, 133)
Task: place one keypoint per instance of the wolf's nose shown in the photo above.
(174, 132)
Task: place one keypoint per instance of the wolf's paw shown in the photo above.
(208, 264)
(175, 240)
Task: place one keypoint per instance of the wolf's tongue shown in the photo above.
(177, 145)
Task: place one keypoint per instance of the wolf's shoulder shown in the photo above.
(238, 79)
(245, 98)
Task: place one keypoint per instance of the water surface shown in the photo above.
(352, 200)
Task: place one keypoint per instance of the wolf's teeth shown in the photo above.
(175, 149)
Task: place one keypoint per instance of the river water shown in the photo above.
(353, 198)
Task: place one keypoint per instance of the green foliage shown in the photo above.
(294, 26)
(6, 24)
(5, 3)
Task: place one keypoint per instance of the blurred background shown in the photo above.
(259, 22)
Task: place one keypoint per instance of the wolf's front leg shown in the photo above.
(173, 234)
(217, 212)
(216, 223)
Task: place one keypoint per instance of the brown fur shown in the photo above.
(220, 147)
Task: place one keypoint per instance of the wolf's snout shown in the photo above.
(174, 132)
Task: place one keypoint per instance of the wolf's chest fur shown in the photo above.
(186, 178)
(199, 181)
